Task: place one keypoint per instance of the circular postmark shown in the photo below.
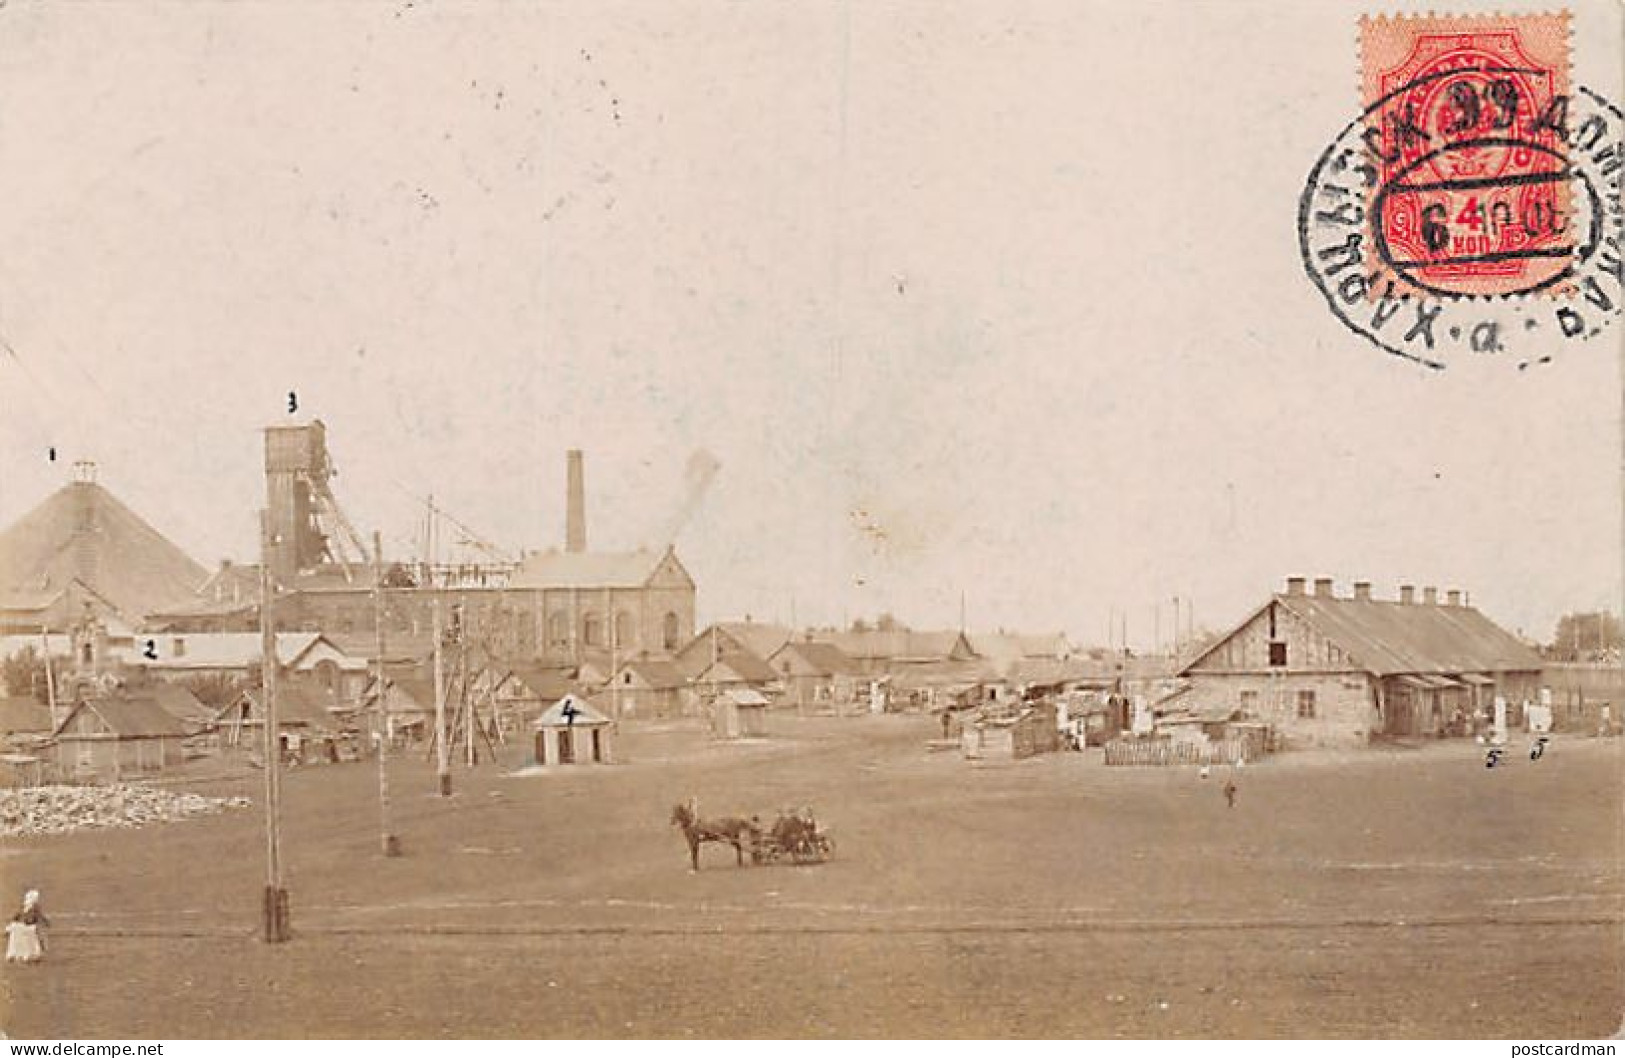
(1464, 213)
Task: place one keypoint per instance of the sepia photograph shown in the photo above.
(825, 519)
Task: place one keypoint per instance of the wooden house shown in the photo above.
(1323, 669)
(817, 676)
(115, 736)
(306, 726)
(646, 688)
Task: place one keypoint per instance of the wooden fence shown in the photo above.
(1167, 751)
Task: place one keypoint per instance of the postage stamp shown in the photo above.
(1472, 171)
(1473, 206)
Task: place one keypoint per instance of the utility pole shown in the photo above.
(50, 678)
(462, 682)
(274, 908)
(443, 749)
(391, 844)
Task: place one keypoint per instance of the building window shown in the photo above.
(1306, 705)
(1277, 653)
(558, 630)
(177, 647)
(592, 630)
(669, 632)
(1249, 702)
(626, 633)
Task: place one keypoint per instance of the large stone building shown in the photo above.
(1324, 669)
(557, 607)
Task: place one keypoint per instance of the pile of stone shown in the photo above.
(64, 809)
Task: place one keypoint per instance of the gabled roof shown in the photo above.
(296, 704)
(1015, 646)
(826, 659)
(127, 716)
(82, 531)
(589, 569)
(655, 673)
(544, 682)
(763, 640)
(904, 645)
(559, 714)
(1392, 638)
(215, 650)
(738, 668)
(746, 698)
(176, 700)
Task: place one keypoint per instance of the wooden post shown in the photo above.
(275, 907)
(391, 844)
(442, 749)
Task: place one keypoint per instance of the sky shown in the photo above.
(986, 304)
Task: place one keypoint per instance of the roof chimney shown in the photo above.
(575, 503)
(1294, 585)
(1362, 590)
(1323, 587)
(1453, 597)
(1407, 593)
(1430, 596)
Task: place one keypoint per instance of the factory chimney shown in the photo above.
(575, 503)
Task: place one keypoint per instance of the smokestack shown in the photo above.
(1407, 593)
(1323, 587)
(575, 503)
(1294, 585)
(1430, 596)
(1362, 590)
(1452, 597)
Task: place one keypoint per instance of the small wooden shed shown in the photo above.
(573, 731)
(741, 712)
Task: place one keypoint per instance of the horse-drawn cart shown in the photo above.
(794, 838)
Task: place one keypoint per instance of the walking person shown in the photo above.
(25, 941)
(1230, 792)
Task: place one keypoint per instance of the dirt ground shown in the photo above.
(1391, 893)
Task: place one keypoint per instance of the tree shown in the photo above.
(24, 673)
(1584, 636)
(887, 623)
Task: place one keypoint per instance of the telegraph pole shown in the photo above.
(443, 750)
(391, 844)
(274, 908)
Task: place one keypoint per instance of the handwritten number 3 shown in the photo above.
(293, 402)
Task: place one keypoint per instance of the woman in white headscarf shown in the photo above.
(24, 942)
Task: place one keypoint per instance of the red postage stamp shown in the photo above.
(1466, 128)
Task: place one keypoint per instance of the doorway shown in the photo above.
(567, 749)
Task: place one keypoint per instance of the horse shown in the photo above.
(734, 831)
